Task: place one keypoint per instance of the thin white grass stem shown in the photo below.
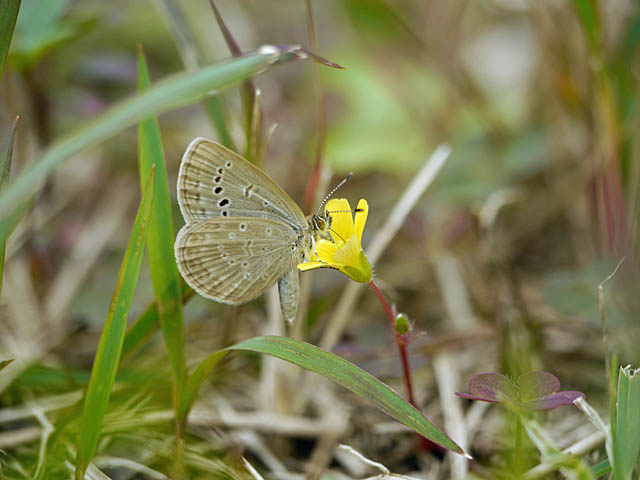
(383, 469)
(250, 468)
(47, 430)
(579, 448)
(271, 367)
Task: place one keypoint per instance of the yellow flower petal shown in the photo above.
(348, 253)
(341, 219)
(361, 218)
(303, 267)
(325, 250)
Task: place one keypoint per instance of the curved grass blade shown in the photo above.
(327, 364)
(6, 154)
(107, 358)
(170, 93)
(164, 272)
(8, 16)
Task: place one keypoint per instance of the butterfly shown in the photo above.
(243, 233)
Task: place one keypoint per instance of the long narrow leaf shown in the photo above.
(107, 358)
(164, 272)
(8, 16)
(327, 364)
(165, 95)
(6, 155)
(626, 438)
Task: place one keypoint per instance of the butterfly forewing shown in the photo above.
(216, 182)
(233, 260)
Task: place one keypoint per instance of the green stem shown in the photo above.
(517, 460)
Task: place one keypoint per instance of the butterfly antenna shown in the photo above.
(335, 189)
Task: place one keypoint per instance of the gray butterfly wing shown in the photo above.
(216, 182)
(234, 259)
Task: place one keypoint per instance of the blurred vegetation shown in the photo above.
(497, 267)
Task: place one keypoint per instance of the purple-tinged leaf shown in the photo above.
(552, 401)
(492, 387)
(536, 385)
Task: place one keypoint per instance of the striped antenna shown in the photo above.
(344, 180)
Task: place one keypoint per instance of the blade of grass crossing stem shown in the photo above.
(8, 16)
(146, 324)
(164, 272)
(312, 358)
(107, 357)
(626, 439)
(6, 155)
(179, 90)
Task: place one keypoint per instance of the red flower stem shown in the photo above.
(401, 341)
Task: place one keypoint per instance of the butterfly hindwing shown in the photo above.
(216, 182)
(234, 259)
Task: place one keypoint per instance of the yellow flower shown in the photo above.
(344, 251)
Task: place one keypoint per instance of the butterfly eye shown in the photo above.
(321, 224)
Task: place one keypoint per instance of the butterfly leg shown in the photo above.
(313, 243)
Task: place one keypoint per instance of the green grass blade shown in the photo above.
(146, 324)
(587, 11)
(8, 16)
(6, 155)
(107, 358)
(162, 263)
(327, 364)
(626, 439)
(165, 95)
(601, 468)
